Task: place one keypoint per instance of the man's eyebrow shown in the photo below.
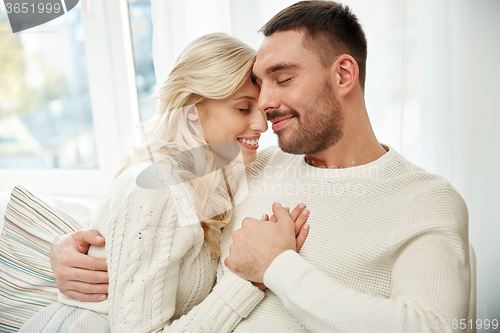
(274, 68)
(280, 66)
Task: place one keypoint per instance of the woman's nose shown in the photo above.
(259, 122)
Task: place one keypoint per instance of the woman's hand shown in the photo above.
(78, 275)
(299, 215)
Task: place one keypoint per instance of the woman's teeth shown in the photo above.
(250, 142)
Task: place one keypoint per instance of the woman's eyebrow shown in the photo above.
(245, 97)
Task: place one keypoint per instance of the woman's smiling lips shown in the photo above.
(281, 122)
(249, 142)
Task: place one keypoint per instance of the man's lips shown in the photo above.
(281, 122)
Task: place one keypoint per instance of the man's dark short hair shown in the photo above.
(331, 29)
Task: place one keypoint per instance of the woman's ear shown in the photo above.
(192, 114)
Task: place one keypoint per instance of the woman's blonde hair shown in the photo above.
(213, 66)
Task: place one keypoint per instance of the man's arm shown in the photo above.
(85, 278)
(231, 299)
(78, 275)
(430, 277)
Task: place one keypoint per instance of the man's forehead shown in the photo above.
(276, 49)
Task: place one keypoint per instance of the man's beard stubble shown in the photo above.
(319, 126)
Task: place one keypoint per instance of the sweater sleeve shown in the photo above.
(145, 247)
(231, 300)
(430, 277)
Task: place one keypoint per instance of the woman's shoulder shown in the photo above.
(126, 197)
(142, 183)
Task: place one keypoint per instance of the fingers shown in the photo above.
(93, 277)
(84, 261)
(66, 276)
(85, 297)
(300, 220)
(82, 284)
(78, 275)
(89, 236)
(281, 213)
(301, 237)
(296, 211)
(87, 288)
(294, 215)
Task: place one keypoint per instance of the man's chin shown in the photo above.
(287, 147)
(296, 148)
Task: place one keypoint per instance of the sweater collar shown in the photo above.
(360, 171)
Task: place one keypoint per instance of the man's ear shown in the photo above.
(192, 114)
(346, 74)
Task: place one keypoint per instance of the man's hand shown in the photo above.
(299, 215)
(78, 275)
(258, 242)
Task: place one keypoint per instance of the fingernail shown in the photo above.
(288, 209)
(99, 237)
(102, 297)
(306, 226)
(301, 205)
(305, 212)
(263, 217)
(278, 204)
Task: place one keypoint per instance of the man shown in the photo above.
(387, 248)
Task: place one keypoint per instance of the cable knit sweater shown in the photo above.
(158, 269)
(387, 247)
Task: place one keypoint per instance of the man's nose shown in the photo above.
(268, 99)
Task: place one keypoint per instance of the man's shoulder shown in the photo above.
(416, 182)
(431, 194)
(401, 169)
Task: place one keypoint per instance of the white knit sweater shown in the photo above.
(387, 246)
(158, 269)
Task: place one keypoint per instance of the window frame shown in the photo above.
(111, 74)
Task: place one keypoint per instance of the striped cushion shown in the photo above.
(26, 280)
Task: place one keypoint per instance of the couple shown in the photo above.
(387, 247)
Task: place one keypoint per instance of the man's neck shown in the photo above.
(348, 152)
(358, 144)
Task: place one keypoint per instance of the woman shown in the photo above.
(162, 221)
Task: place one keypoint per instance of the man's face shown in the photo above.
(296, 94)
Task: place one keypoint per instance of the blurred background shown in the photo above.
(72, 89)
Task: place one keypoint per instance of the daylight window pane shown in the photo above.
(45, 111)
(141, 28)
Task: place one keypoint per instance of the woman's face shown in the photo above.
(235, 119)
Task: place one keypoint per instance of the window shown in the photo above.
(141, 29)
(45, 111)
(68, 100)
